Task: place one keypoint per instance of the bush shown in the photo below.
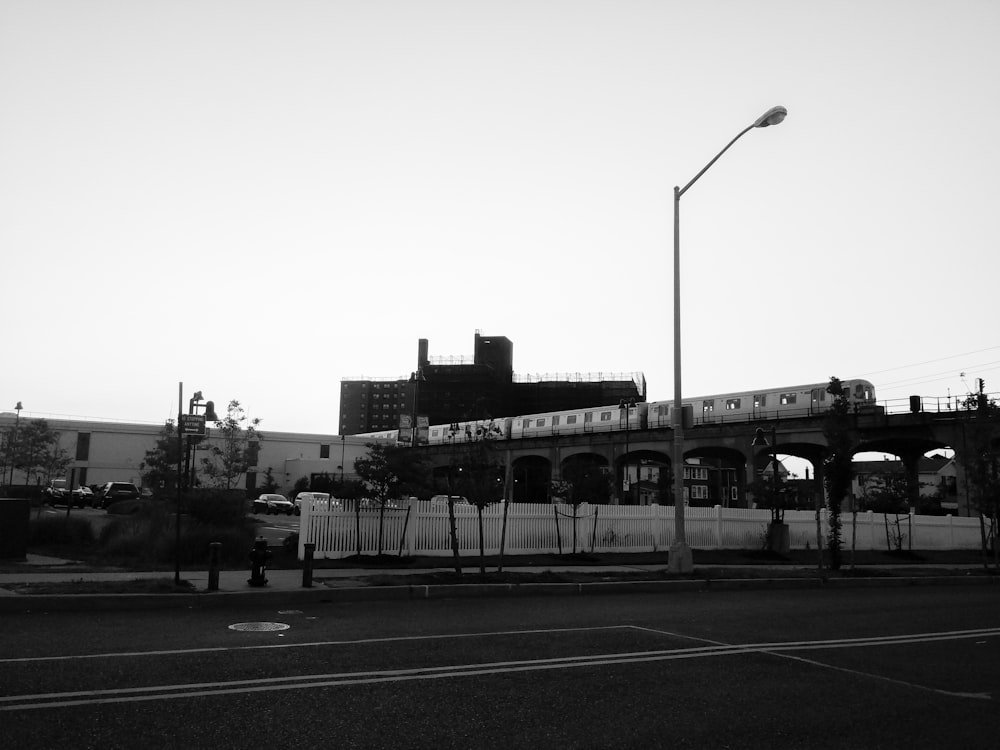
(151, 538)
(59, 530)
(223, 508)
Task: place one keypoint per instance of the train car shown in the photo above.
(469, 431)
(789, 401)
(592, 419)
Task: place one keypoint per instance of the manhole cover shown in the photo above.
(258, 627)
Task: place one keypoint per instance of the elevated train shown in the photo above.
(777, 403)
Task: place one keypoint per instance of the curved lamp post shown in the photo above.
(680, 554)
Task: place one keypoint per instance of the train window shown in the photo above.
(861, 392)
(787, 398)
(605, 416)
(708, 405)
(571, 419)
(732, 403)
(540, 422)
(760, 400)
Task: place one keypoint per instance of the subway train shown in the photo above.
(777, 403)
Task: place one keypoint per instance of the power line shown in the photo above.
(929, 362)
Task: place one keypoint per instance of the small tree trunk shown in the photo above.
(453, 529)
(381, 524)
(819, 535)
(482, 545)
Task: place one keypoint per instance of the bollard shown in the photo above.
(214, 553)
(259, 556)
(307, 565)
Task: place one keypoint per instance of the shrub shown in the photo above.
(151, 538)
(218, 507)
(59, 530)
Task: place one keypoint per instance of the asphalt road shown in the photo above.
(848, 668)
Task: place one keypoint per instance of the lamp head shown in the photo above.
(210, 414)
(18, 407)
(197, 396)
(773, 116)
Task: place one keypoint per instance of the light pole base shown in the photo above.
(680, 560)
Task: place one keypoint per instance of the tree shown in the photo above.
(389, 472)
(982, 470)
(888, 493)
(837, 467)
(37, 452)
(237, 451)
(160, 464)
(479, 473)
(583, 481)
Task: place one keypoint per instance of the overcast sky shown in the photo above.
(259, 199)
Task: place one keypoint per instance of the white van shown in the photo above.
(314, 497)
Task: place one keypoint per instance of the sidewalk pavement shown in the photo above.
(285, 586)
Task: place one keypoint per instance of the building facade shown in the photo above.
(102, 452)
(454, 389)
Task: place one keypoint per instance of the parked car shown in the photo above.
(83, 496)
(273, 503)
(57, 493)
(443, 500)
(112, 492)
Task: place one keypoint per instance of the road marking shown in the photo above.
(779, 649)
(310, 644)
(300, 682)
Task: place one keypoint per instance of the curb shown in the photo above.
(26, 603)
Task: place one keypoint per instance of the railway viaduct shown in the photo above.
(533, 463)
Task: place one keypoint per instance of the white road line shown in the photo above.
(263, 646)
(170, 692)
(778, 651)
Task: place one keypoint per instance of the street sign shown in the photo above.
(192, 424)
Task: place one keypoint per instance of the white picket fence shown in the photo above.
(533, 528)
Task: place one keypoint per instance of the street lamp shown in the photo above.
(12, 447)
(627, 405)
(680, 554)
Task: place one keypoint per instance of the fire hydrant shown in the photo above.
(259, 556)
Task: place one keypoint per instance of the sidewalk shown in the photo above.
(285, 586)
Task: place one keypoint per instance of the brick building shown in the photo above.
(452, 389)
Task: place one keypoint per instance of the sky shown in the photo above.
(259, 199)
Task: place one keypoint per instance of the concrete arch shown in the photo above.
(531, 479)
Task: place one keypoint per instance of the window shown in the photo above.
(571, 419)
(324, 451)
(605, 416)
(787, 398)
(695, 472)
(733, 493)
(540, 422)
(760, 400)
(699, 492)
(732, 404)
(83, 446)
(708, 405)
